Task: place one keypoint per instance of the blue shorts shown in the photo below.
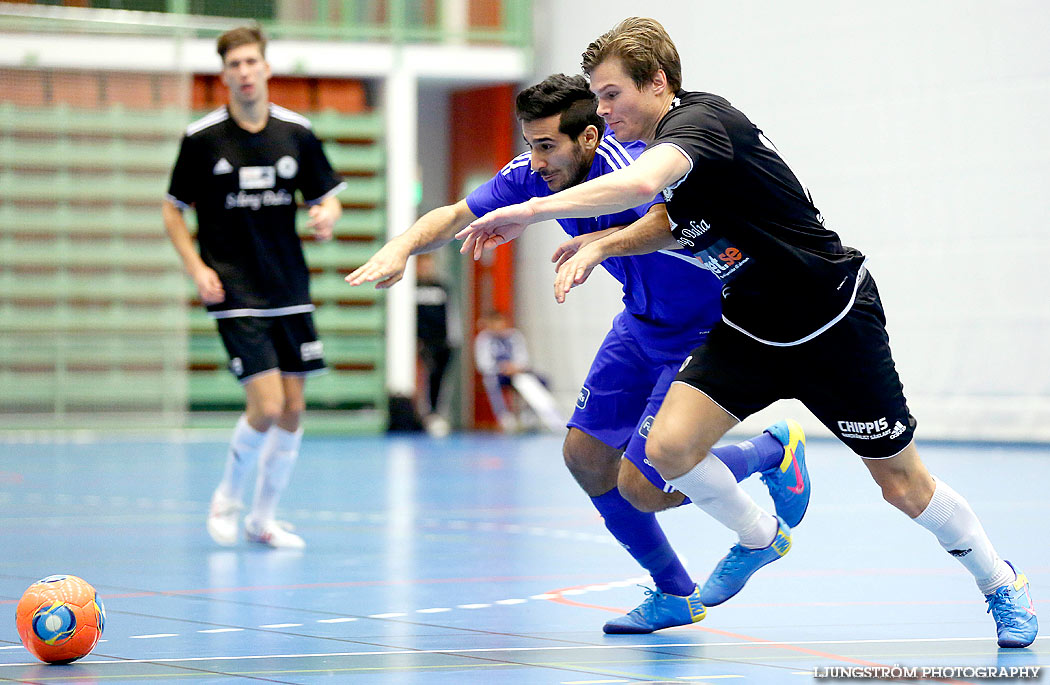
(625, 386)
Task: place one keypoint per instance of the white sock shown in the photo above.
(275, 468)
(949, 517)
(712, 487)
(245, 445)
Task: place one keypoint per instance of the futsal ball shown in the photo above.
(60, 619)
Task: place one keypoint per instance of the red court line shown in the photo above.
(755, 641)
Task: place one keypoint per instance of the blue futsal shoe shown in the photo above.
(788, 483)
(735, 568)
(659, 611)
(1011, 607)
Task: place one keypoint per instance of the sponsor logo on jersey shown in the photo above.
(254, 201)
(581, 399)
(865, 430)
(695, 230)
(287, 167)
(959, 553)
(898, 430)
(311, 351)
(646, 426)
(685, 363)
(257, 177)
(223, 166)
(236, 366)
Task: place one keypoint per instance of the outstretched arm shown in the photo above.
(650, 233)
(656, 169)
(432, 230)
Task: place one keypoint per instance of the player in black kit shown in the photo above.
(239, 167)
(795, 303)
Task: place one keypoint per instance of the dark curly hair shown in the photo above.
(568, 96)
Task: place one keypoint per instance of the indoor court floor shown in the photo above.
(476, 559)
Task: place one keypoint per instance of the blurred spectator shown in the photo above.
(502, 359)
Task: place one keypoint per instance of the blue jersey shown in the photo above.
(670, 299)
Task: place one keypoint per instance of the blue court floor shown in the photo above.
(476, 559)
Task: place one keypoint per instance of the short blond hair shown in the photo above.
(643, 46)
(242, 35)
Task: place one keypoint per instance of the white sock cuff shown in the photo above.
(246, 436)
(941, 507)
(287, 441)
(710, 468)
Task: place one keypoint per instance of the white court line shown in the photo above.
(152, 637)
(281, 625)
(482, 650)
(391, 615)
(336, 620)
(435, 610)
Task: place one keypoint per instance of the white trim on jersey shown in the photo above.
(176, 201)
(684, 154)
(609, 152)
(279, 311)
(619, 146)
(521, 160)
(216, 116)
(285, 114)
(839, 317)
(684, 257)
(338, 189)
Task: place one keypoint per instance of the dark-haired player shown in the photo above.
(568, 144)
(801, 317)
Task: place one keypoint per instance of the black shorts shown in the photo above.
(845, 376)
(257, 344)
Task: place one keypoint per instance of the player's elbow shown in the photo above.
(643, 189)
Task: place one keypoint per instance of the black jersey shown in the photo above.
(242, 186)
(743, 213)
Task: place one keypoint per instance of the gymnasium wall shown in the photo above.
(921, 129)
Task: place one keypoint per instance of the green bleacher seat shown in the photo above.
(330, 286)
(339, 255)
(355, 158)
(361, 222)
(332, 319)
(330, 124)
(62, 219)
(363, 191)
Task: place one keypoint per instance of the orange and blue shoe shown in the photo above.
(733, 571)
(1011, 607)
(788, 483)
(658, 611)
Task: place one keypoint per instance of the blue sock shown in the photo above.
(642, 537)
(757, 454)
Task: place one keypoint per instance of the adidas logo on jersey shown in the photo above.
(898, 430)
(223, 166)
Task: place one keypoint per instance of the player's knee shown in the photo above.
(582, 461)
(664, 451)
(266, 411)
(293, 407)
(644, 496)
(901, 492)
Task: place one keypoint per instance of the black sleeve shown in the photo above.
(698, 133)
(316, 178)
(183, 189)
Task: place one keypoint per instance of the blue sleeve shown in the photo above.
(508, 187)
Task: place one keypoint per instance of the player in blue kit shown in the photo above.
(639, 357)
(801, 316)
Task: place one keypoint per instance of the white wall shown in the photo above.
(922, 130)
